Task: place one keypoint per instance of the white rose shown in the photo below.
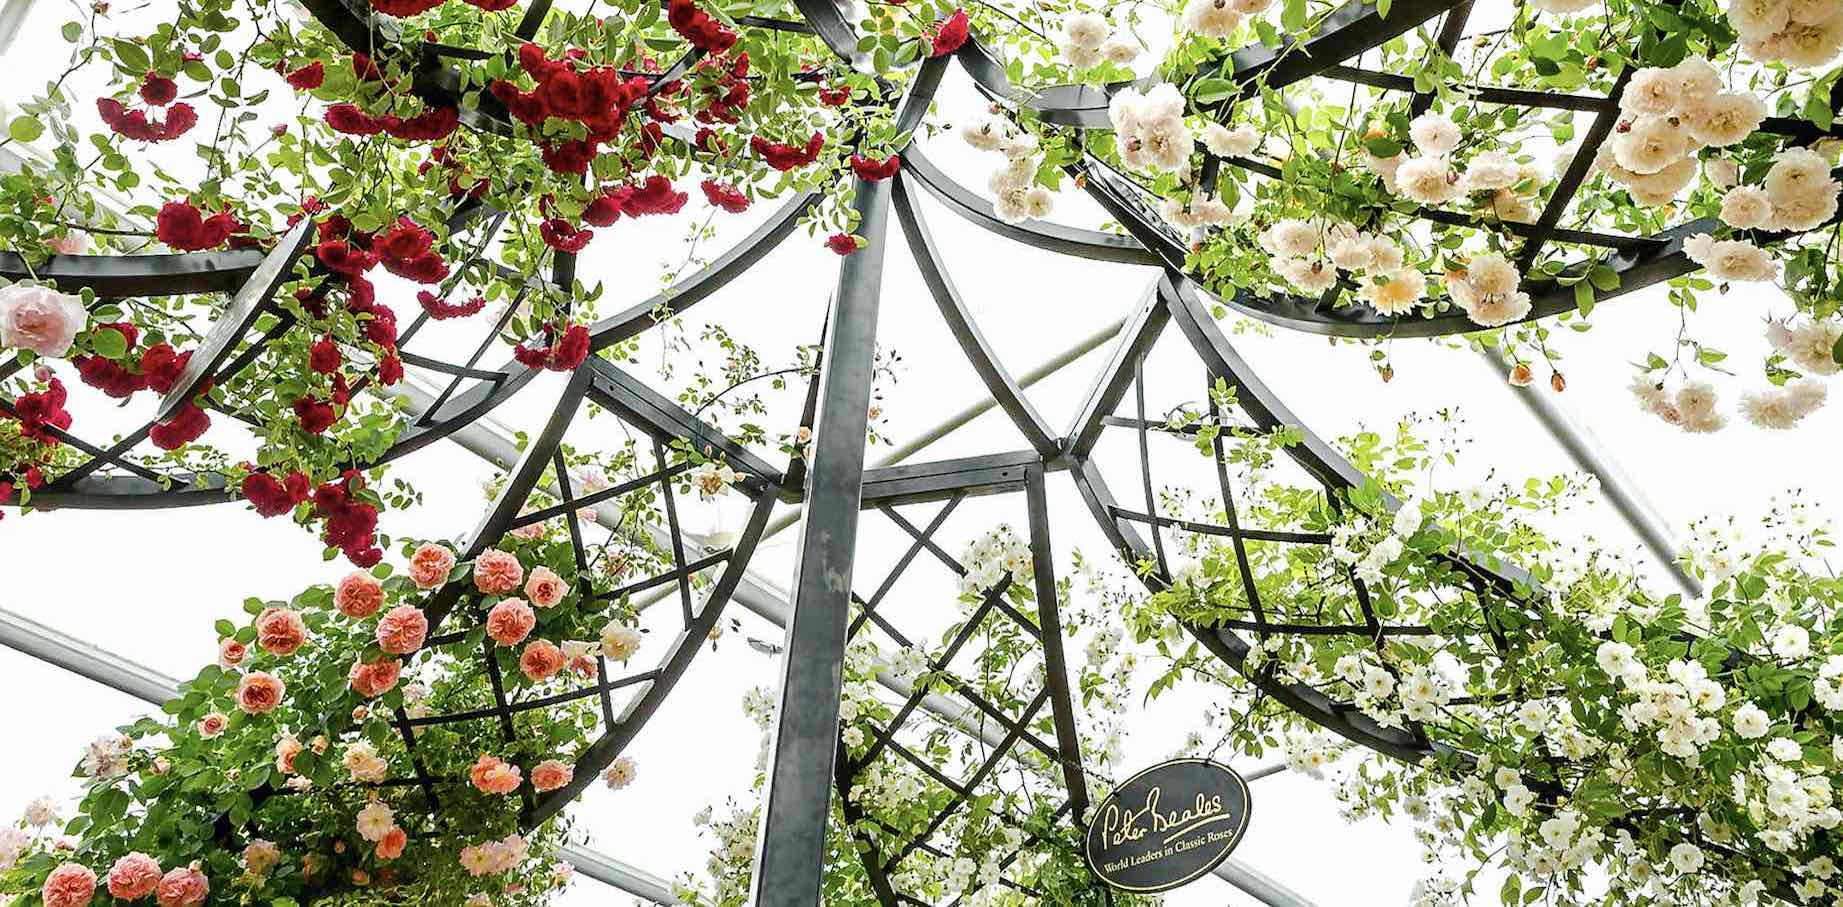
(40, 319)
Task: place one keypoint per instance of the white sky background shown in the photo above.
(149, 584)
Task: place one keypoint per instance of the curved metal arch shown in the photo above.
(123, 276)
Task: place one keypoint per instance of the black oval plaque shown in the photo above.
(1168, 825)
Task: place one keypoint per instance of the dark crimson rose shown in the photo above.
(561, 235)
(339, 257)
(134, 124)
(874, 170)
(323, 356)
(315, 416)
(442, 310)
(403, 9)
(948, 34)
(728, 198)
(431, 125)
(561, 93)
(493, 6)
(109, 376)
(184, 227)
(308, 77)
(41, 411)
(604, 209)
(842, 243)
(183, 428)
(390, 370)
(564, 353)
(161, 366)
(782, 156)
(273, 498)
(572, 156)
(381, 327)
(707, 139)
(835, 97)
(347, 118)
(158, 90)
(655, 196)
(699, 28)
(532, 60)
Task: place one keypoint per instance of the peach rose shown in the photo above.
(391, 845)
(545, 588)
(212, 725)
(231, 652)
(493, 775)
(260, 857)
(40, 319)
(375, 678)
(550, 775)
(280, 631)
(183, 888)
(430, 565)
(510, 622)
(358, 596)
(402, 629)
(541, 660)
(496, 572)
(259, 692)
(69, 885)
(133, 877)
(285, 750)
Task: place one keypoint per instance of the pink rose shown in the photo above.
(69, 244)
(231, 653)
(40, 319)
(212, 725)
(430, 565)
(375, 678)
(541, 660)
(183, 888)
(358, 596)
(259, 692)
(545, 588)
(550, 775)
(391, 845)
(493, 775)
(280, 631)
(69, 885)
(133, 877)
(402, 629)
(510, 622)
(496, 572)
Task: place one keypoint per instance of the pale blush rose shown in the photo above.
(260, 857)
(1434, 134)
(550, 775)
(212, 725)
(430, 565)
(69, 885)
(510, 622)
(1652, 91)
(259, 692)
(402, 629)
(1746, 208)
(40, 319)
(1650, 144)
(541, 660)
(544, 588)
(391, 845)
(374, 821)
(231, 653)
(492, 775)
(375, 678)
(497, 572)
(359, 595)
(1397, 292)
(185, 887)
(280, 631)
(620, 642)
(133, 877)
(621, 773)
(1428, 180)
(69, 244)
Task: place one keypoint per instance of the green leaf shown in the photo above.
(73, 31)
(1213, 91)
(1583, 297)
(109, 344)
(1294, 16)
(25, 129)
(131, 57)
(1382, 146)
(1836, 350)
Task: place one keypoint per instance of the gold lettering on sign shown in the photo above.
(1123, 826)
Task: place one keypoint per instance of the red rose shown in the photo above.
(570, 351)
(134, 124)
(339, 257)
(835, 97)
(182, 226)
(572, 156)
(273, 498)
(442, 310)
(604, 209)
(782, 156)
(655, 196)
(948, 34)
(109, 376)
(308, 77)
(842, 243)
(493, 6)
(158, 90)
(698, 28)
(874, 170)
(183, 428)
(161, 366)
(390, 370)
(403, 9)
(41, 411)
(559, 234)
(323, 356)
(315, 416)
(728, 198)
(431, 125)
(347, 118)
(381, 327)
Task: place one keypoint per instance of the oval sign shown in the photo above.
(1168, 825)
